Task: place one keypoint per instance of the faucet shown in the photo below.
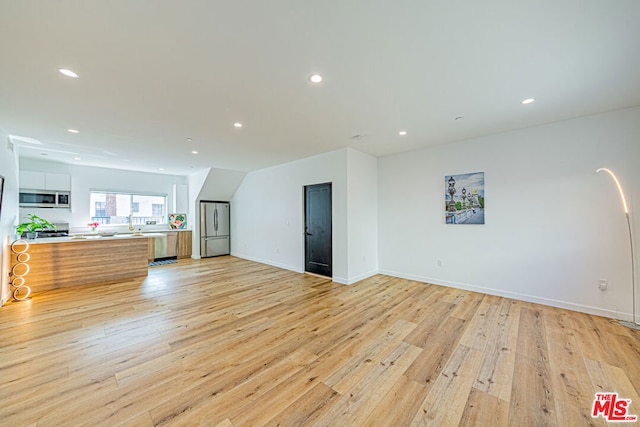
(131, 222)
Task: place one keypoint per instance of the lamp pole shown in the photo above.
(633, 324)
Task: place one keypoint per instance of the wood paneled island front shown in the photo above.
(65, 262)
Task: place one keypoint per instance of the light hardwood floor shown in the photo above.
(228, 342)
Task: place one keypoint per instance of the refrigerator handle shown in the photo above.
(203, 219)
(215, 220)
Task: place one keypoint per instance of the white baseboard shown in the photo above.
(360, 277)
(340, 280)
(267, 262)
(515, 295)
(5, 298)
(337, 279)
(490, 291)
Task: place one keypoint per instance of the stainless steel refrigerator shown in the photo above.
(214, 229)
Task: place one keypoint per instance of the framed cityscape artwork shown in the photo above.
(464, 198)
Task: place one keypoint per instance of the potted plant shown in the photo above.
(32, 227)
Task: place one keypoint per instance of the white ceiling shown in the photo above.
(155, 72)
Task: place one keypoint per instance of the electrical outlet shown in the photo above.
(439, 263)
(603, 284)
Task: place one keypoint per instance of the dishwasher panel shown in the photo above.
(166, 246)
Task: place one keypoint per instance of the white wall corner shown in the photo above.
(195, 182)
(9, 215)
(267, 216)
(362, 215)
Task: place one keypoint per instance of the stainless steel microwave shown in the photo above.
(44, 199)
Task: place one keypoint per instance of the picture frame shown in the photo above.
(177, 221)
(464, 198)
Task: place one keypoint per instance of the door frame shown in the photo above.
(304, 226)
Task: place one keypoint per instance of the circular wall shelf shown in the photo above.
(20, 269)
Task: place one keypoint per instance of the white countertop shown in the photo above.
(94, 237)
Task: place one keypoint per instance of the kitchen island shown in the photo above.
(62, 262)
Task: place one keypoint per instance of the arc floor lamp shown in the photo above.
(633, 324)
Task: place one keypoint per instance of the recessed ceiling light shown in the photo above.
(68, 73)
(315, 78)
(77, 158)
(161, 169)
(194, 152)
(527, 101)
(237, 124)
(402, 133)
(73, 131)
(189, 139)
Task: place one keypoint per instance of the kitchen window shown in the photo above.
(115, 208)
(101, 209)
(157, 209)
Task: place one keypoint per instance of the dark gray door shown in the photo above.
(317, 208)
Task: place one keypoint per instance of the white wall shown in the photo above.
(267, 216)
(9, 213)
(362, 215)
(220, 185)
(553, 226)
(196, 181)
(267, 212)
(84, 179)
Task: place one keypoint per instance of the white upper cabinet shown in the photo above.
(57, 181)
(32, 180)
(45, 181)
